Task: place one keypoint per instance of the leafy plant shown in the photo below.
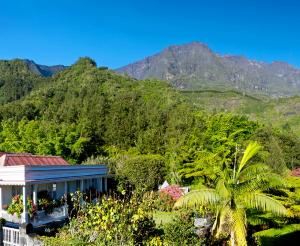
(16, 206)
(143, 172)
(236, 190)
(31, 208)
(110, 222)
(181, 231)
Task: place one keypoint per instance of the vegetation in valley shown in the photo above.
(148, 132)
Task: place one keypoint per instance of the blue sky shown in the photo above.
(115, 33)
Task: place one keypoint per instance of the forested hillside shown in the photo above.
(17, 80)
(283, 113)
(86, 111)
(19, 77)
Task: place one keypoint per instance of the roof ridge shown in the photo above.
(31, 155)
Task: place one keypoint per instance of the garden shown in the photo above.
(248, 204)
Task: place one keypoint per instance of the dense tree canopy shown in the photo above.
(83, 110)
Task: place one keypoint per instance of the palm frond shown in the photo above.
(222, 189)
(248, 186)
(263, 202)
(263, 181)
(273, 180)
(252, 171)
(197, 198)
(251, 150)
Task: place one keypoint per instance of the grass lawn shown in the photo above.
(162, 218)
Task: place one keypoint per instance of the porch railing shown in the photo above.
(41, 217)
(12, 218)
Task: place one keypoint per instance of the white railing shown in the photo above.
(11, 236)
(41, 217)
(11, 217)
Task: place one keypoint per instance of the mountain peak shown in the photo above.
(192, 46)
(194, 66)
(43, 70)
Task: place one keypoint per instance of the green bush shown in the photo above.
(111, 222)
(288, 235)
(181, 231)
(142, 173)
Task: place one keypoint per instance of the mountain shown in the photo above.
(194, 66)
(19, 77)
(43, 70)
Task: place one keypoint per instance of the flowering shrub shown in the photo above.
(173, 190)
(32, 208)
(16, 206)
(164, 202)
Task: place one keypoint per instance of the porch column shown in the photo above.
(105, 184)
(81, 189)
(81, 185)
(100, 184)
(25, 213)
(1, 201)
(66, 198)
(66, 190)
(34, 194)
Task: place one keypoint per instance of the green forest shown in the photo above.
(234, 151)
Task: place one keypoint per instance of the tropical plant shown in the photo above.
(31, 207)
(236, 190)
(16, 206)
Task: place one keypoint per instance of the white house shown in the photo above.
(39, 179)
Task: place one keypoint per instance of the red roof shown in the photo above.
(9, 159)
(296, 172)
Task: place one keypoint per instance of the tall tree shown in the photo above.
(236, 190)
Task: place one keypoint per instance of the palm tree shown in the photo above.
(237, 190)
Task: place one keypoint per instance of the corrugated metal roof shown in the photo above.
(9, 159)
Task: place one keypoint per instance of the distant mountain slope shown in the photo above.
(19, 77)
(44, 70)
(283, 113)
(195, 66)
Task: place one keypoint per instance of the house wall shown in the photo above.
(6, 194)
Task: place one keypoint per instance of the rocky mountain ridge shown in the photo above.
(194, 66)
